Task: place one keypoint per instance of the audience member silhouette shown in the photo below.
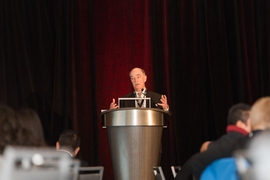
(13, 133)
(31, 123)
(69, 142)
(260, 121)
(238, 126)
(10, 130)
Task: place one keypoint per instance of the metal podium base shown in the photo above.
(135, 151)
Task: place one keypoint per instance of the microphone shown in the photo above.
(144, 91)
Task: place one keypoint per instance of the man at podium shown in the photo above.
(138, 79)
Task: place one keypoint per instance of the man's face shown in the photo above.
(138, 79)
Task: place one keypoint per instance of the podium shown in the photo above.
(134, 136)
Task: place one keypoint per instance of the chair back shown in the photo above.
(24, 163)
(91, 173)
(175, 170)
(158, 172)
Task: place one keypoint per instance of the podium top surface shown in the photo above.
(133, 117)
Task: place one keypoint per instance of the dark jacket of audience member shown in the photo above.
(239, 126)
(260, 121)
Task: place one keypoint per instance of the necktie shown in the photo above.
(140, 101)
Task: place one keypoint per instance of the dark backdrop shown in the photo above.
(68, 59)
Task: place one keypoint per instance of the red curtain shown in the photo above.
(121, 41)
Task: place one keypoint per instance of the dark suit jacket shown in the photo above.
(155, 98)
(198, 162)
